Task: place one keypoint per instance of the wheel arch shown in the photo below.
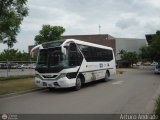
(107, 71)
(82, 77)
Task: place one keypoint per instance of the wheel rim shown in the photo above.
(78, 83)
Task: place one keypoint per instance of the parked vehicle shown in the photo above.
(24, 66)
(157, 69)
(32, 66)
(154, 63)
(139, 63)
(3, 66)
(147, 63)
(14, 66)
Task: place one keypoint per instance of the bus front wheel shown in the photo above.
(78, 84)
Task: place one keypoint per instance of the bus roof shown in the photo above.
(63, 42)
(87, 43)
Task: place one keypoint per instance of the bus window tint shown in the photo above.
(93, 54)
(55, 58)
(86, 52)
(75, 58)
(42, 59)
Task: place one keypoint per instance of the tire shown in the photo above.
(106, 78)
(50, 88)
(78, 84)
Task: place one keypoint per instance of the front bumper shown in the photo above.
(61, 83)
(156, 71)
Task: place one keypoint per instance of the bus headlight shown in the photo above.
(71, 75)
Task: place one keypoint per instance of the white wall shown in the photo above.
(129, 44)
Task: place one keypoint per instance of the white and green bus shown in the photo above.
(71, 63)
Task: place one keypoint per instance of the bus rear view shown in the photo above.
(66, 63)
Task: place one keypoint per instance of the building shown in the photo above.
(128, 44)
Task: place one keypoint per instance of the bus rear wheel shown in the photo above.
(78, 84)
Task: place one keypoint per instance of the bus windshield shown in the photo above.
(50, 58)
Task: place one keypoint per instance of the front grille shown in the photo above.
(50, 76)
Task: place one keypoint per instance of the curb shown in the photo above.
(21, 92)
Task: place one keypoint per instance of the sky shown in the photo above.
(119, 18)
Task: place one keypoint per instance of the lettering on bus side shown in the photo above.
(101, 65)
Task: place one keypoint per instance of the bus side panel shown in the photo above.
(113, 67)
(92, 70)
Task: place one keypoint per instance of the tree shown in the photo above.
(121, 52)
(12, 13)
(145, 54)
(14, 55)
(152, 52)
(154, 48)
(49, 33)
(128, 58)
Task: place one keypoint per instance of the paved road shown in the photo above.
(131, 92)
(15, 72)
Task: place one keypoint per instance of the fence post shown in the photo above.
(7, 67)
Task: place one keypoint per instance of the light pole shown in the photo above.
(99, 29)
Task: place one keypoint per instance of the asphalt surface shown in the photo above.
(131, 92)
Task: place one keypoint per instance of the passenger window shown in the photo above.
(75, 57)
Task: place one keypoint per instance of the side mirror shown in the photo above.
(34, 50)
(66, 47)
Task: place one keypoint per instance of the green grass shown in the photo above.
(157, 108)
(12, 85)
(16, 77)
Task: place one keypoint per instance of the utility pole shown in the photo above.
(99, 29)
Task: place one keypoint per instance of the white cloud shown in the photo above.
(127, 22)
(154, 3)
(50, 15)
(119, 18)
